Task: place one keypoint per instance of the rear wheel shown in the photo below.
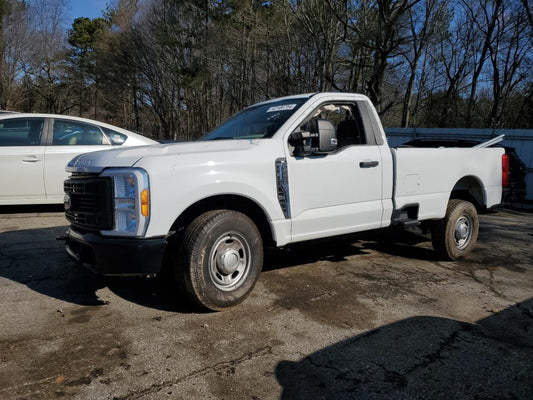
(220, 259)
(455, 235)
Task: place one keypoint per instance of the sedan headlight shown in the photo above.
(131, 201)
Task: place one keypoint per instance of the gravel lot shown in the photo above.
(367, 317)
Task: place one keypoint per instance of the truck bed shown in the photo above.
(445, 170)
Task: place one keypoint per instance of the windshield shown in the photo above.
(256, 122)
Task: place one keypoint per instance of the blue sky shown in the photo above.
(85, 8)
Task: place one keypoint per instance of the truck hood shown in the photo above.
(96, 161)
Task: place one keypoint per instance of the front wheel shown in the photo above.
(455, 235)
(220, 259)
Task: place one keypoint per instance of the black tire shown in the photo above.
(220, 259)
(455, 235)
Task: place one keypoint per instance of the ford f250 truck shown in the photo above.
(282, 171)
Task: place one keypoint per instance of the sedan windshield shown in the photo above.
(256, 122)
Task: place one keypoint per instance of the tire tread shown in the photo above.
(439, 232)
(188, 273)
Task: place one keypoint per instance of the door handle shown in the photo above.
(30, 158)
(368, 164)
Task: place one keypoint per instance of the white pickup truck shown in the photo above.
(282, 171)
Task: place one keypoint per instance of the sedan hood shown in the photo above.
(96, 161)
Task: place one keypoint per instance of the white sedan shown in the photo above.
(35, 149)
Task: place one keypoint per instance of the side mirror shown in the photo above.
(327, 138)
(320, 139)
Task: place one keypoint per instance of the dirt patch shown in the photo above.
(59, 360)
(326, 301)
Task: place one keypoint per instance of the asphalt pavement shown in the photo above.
(371, 316)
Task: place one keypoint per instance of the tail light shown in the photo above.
(505, 170)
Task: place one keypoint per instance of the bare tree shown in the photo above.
(426, 23)
(508, 52)
(528, 9)
(48, 53)
(483, 16)
(453, 64)
(326, 32)
(375, 31)
(116, 67)
(15, 41)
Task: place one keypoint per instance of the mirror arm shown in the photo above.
(301, 141)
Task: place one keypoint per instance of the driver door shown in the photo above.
(340, 192)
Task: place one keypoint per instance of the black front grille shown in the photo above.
(91, 204)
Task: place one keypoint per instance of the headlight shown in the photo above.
(131, 201)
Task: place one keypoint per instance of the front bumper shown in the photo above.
(116, 256)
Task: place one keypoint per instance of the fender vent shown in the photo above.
(282, 183)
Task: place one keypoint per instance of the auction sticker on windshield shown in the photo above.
(285, 107)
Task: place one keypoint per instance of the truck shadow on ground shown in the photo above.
(423, 358)
(411, 243)
(32, 208)
(34, 258)
(37, 260)
(331, 249)
(163, 294)
(393, 241)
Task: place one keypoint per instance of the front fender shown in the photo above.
(176, 185)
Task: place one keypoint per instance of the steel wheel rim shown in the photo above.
(229, 261)
(463, 231)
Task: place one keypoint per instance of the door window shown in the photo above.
(347, 121)
(21, 131)
(74, 133)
